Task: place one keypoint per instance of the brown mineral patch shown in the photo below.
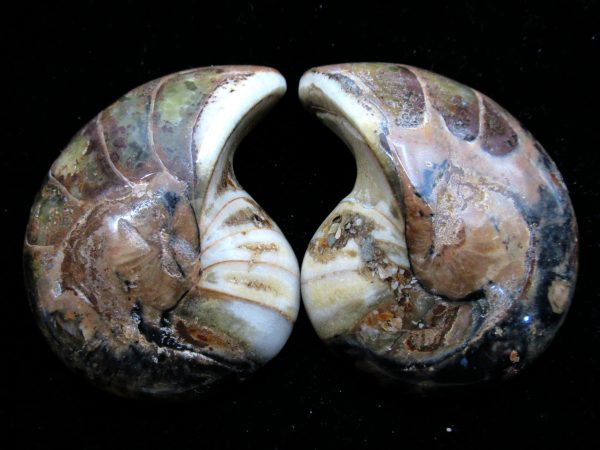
(558, 295)
(227, 181)
(337, 232)
(247, 215)
(417, 323)
(70, 315)
(252, 284)
(468, 234)
(386, 315)
(514, 357)
(257, 247)
(202, 336)
(432, 335)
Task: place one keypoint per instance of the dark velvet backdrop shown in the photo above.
(66, 64)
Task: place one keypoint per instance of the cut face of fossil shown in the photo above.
(149, 268)
(453, 260)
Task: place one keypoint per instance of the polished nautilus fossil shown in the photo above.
(150, 270)
(453, 260)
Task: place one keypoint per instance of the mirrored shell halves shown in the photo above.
(150, 270)
(454, 258)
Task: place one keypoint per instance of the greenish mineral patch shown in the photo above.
(51, 217)
(73, 157)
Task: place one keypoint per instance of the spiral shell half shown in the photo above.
(150, 269)
(454, 258)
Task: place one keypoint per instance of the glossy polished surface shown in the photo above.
(69, 61)
(454, 258)
(150, 269)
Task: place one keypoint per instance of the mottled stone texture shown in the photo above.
(454, 258)
(149, 269)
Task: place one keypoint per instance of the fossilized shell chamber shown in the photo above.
(149, 268)
(453, 259)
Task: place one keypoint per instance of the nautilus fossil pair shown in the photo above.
(153, 273)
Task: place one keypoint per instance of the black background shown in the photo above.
(65, 65)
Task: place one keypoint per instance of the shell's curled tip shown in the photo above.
(456, 249)
(149, 268)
